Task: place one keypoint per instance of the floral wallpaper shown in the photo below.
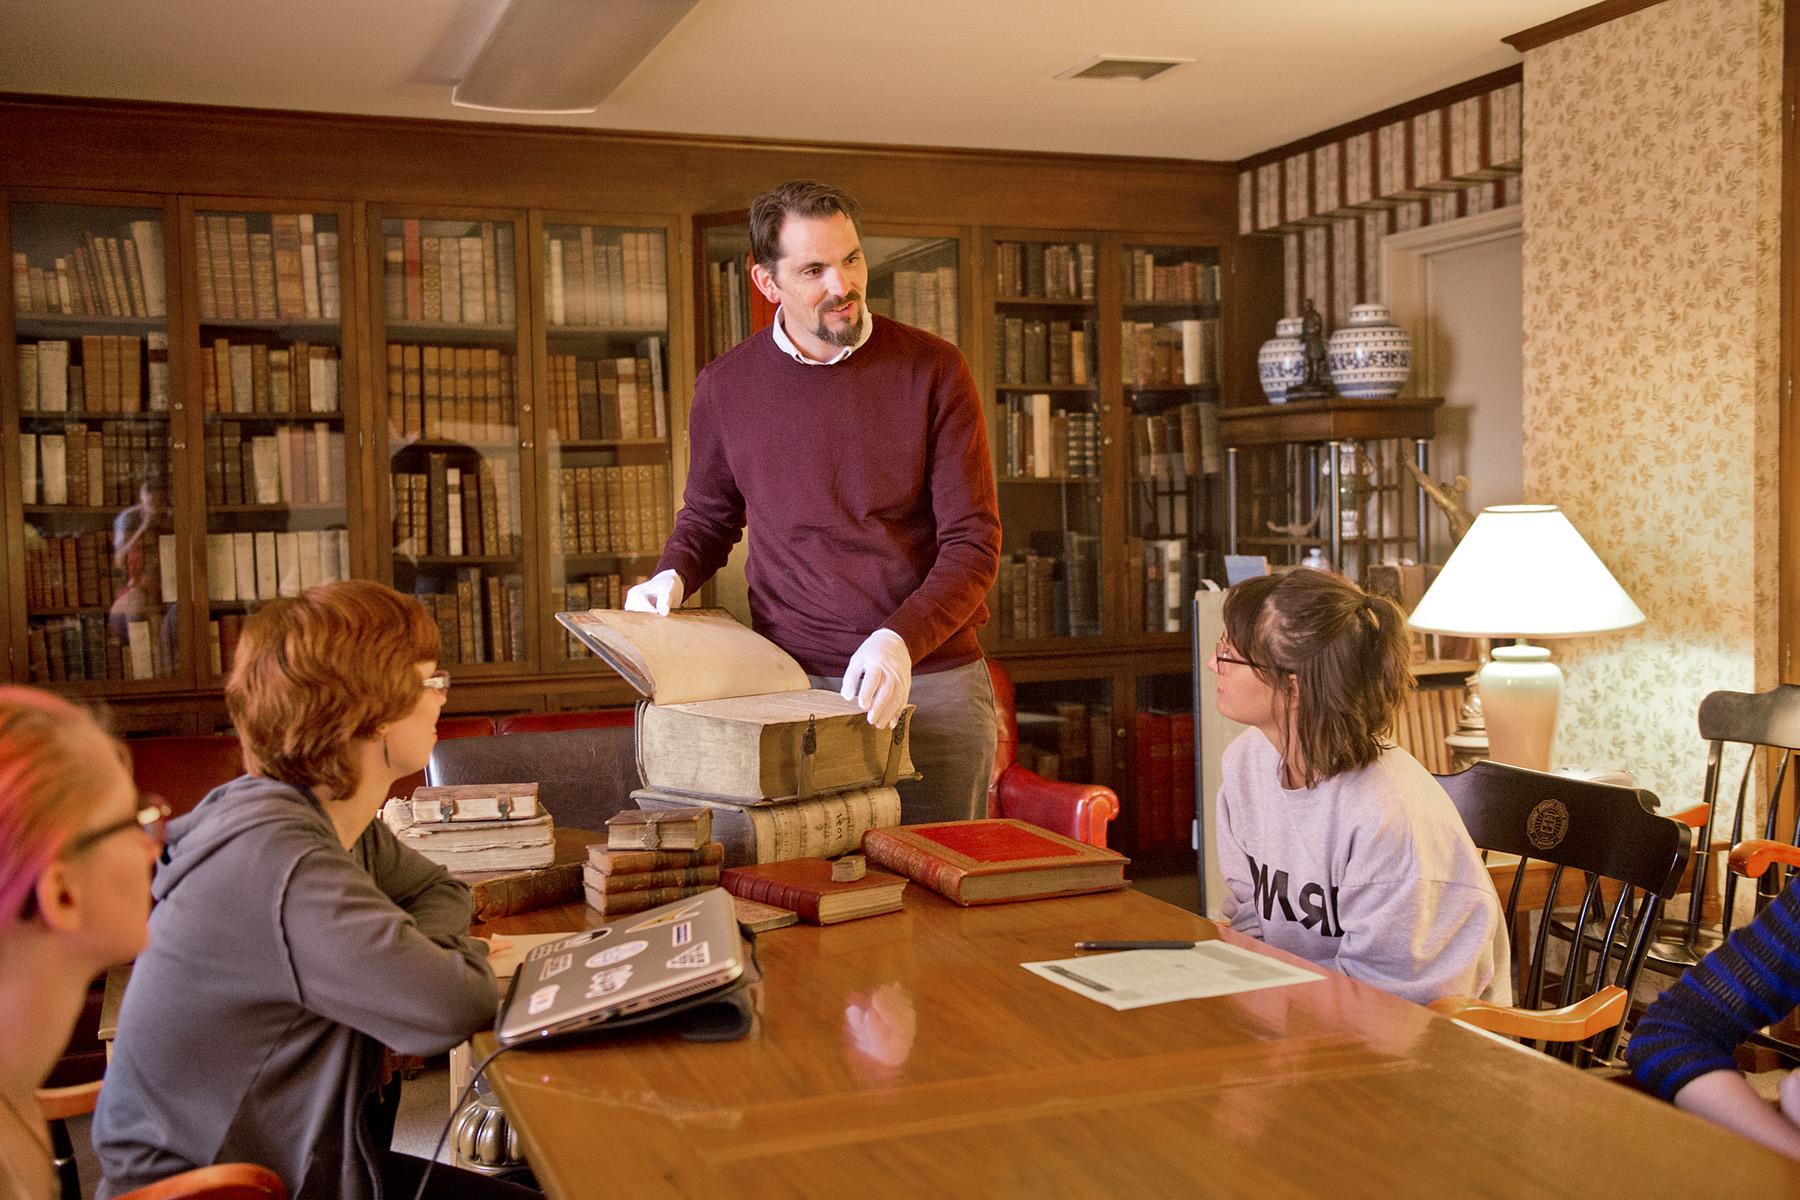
(1652, 219)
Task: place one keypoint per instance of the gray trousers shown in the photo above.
(954, 732)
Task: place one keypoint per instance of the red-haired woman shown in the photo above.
(76, 844)
(293, 936)
(1336, 845)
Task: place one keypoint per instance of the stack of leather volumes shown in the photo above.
(627, 881)
(730, 724)
(474, 828)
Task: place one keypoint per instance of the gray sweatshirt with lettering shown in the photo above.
(1370, 873)
(279, 965)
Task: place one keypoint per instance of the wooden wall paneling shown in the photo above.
(1121, 597)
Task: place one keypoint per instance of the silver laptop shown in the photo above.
(644, 961)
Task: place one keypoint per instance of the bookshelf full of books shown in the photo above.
(733, 309)
(92, 444)
(917, 281)
(271, 347)
(450, 332)
(609, 481)
(1170, 369)
(1045, 431)
(1159, 820)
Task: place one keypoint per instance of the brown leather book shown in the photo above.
(989, 861)
(805, 886)
(502, 893)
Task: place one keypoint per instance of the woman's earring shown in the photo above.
(385, 760)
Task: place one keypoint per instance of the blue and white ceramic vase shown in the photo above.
(1370, 357)
(1281, 363)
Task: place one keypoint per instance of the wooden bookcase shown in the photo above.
(940, 213)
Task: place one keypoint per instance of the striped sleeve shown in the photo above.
(1749, 982)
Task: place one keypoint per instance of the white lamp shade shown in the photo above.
(1523, 571)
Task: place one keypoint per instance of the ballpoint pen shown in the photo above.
(1134, 945)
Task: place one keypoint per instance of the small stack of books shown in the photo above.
(651, 859)
(472, 828)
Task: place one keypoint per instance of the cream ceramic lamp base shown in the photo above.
(1520, 691)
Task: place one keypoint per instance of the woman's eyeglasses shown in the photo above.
(151, 818)
(1221, 654)
(438, 681)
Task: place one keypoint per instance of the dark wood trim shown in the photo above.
(1575, 22)
(1387, 116)
(1788, 554)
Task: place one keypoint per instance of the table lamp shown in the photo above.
(1522, 571)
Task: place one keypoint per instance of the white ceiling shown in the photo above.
(972, 73)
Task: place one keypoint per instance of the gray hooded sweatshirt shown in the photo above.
(278, 967)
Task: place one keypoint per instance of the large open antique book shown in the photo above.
(729, 714)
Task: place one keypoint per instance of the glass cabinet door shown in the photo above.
(916, 281)
(1159, 810)
(101, 567)
(1170, 352)
(1045, 431)
(731, 307)
(609, 483)
(272, 384)
(451, 333)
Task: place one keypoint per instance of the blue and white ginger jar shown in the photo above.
(1370, 357)
(1281, 363)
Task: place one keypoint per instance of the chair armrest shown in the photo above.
(225, 1181)
(76, 1100)
(1078, 810)
(1573, 1023)
(1693, 816)
(1752, 856)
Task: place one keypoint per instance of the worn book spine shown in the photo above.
(620, 903)
(621, 861)
(912, 862)
(621, 882)
(525, 891)
(775, 892)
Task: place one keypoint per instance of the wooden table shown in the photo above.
(1012, 1086)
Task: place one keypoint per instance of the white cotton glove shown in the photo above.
(657, 594)
(879, 677)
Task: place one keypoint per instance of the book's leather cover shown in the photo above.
(994, 860)
(805, 886)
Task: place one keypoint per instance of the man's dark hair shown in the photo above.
(800, 198)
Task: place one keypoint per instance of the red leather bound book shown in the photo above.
(805, 886)
(991, 861)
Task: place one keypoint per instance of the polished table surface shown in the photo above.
(1006, 1085)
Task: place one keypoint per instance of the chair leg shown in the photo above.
(62, 1151)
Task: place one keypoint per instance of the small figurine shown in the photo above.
(1315, 377)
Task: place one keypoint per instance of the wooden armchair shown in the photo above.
(1078, 810)
(1629, 861)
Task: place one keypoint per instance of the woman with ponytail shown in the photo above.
(76, 845)
(1335, 844)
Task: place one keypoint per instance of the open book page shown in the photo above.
(691, 654)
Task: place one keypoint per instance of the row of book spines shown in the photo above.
(1185, 354)
(1429, 715)
(75, 570)
(459, 279)
(258, 378)
(1165, 779)
(615, 883)
(608, 397)
(593, 591)
(287, 274)
(613, 510)
(1041, 595)
(1030, 351)
(1083, 744)
(611, 904)
(1037, 442)
(1190, 282)
(729, 301)
(928, 300)
(88, 467)
(1178, 443)
(293, 465)
(93, 647)
(1170, 574)
(607, 279)
(461, 392)
(456, 511)
(265, 565)
(483, 620)
(113, 276)
(115, 374)
(1051, 270)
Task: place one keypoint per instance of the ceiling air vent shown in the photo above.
(1114, 66)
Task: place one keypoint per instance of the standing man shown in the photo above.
(854, 448)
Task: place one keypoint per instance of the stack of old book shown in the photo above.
(732, 726)
(651, 859)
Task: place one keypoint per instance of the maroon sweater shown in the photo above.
(869, 494)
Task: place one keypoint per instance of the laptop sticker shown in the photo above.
(683, 913)
(580, 939)
(557, 966)
(543, 998)
(618, 953)
(684, 933)
(693, 956)
(605, 983)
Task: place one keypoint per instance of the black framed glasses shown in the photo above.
(151, 818)
(1221, 655)
(438, 681)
